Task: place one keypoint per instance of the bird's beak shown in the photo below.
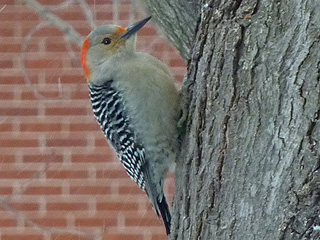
(135, 27)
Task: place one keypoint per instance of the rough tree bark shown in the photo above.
(249, 165)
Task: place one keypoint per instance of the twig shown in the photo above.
(70, 51)
(20, 215)
(86, 10)
(133, 12)
(46, 14)
(4, 6)
(26, 184)
(63, 5)
(115, 6)
(22, 62)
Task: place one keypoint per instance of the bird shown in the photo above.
(136, 104)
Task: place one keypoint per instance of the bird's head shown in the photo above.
(107, 41)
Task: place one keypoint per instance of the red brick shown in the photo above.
(158, 236)
(44, 32)
(5, 191)
(15, 111)
(65, 174)
(33, 47)
(22, 236)
(77, 64)
(68, 79)
(18, 143)
(179, 79)
(50, 222)
(7, 2)
(83, 30)
(6, 95)
(18, 16)
(159, 46)
(47, 158)
(112, 174)
(95, 222)
(13, 79)
(159, 55)
(140, 221)
(98, 3)
(20, 206)
(71, 15)
(67, 237)
(8, 222)
(122, 236)
(62, 142)
(6, 63)
(117, 206)
(64, 206)
(7, 32)
(11, 174)
(4, 158)
(84, 127)
(43, 190)
(40, 127)
(101, 142)
(177, 62)
(43, 63)
(76, 48)
(125, 16)
(147, 31)
(133, 189)
(51, 2)
(5, 127)
(102, 16)
(91, 190)
(90, 158)
(80, 95)
(52, 111)
(56, 47)
(30, 95)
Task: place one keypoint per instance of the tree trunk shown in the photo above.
(249, 164)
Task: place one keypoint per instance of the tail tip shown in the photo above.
(165, 213)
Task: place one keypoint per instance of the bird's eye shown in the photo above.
(106, 41)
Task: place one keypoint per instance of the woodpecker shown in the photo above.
(136, 104)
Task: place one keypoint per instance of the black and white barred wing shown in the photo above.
(108, 107)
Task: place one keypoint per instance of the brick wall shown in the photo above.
(58, 177)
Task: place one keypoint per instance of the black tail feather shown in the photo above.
(160, 205)
(165, 213)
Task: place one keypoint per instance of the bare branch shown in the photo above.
(27, 183)
(115, 5)
(22, 62)
(6, 205)
(46, 14)
(63, 5)
(70, 51)
(86, 10)
(4, 6)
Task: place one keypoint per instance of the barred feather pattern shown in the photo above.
(108, 108)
